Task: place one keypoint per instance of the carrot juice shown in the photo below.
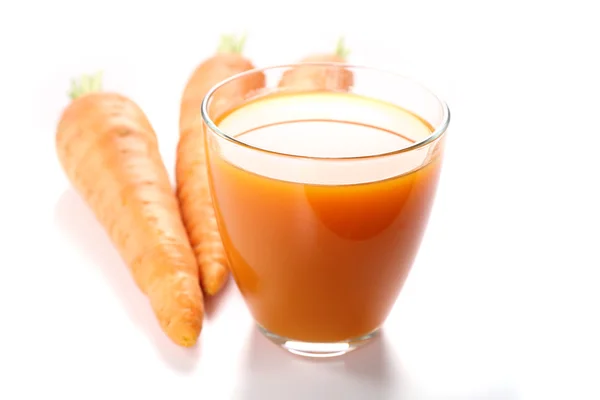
(321, 227)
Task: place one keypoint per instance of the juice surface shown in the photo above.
(317, 257)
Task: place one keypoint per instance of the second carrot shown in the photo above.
(193, 189)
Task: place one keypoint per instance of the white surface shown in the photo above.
(503, 300)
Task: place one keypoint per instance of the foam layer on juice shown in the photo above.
(331, 127)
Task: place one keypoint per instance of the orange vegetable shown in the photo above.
(191, 172)
(109, 152)
(312, 77)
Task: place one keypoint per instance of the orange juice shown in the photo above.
(321, 242)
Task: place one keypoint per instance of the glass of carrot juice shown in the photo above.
(322, 187)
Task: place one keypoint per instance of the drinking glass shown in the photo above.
(322, 176)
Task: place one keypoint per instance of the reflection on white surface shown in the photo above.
(268, 372)
(375, 371)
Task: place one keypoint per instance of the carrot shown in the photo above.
(311, 77)
(109, 152)
(191, 172)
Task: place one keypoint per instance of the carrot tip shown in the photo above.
(85, 84)
(232, 43)
(341, 50)
(188, 341)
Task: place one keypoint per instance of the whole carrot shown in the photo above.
(313, 77)
(109, 152)
(191, 171)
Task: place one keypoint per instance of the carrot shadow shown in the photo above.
(369, 372)
(74, 218)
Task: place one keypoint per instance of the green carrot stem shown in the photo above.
(232, 44)
(85, 84)
(341, 50)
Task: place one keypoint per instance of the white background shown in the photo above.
(503, 301)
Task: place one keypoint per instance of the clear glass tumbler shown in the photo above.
(322, 177)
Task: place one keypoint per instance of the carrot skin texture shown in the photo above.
(109, 152)
(193, 191)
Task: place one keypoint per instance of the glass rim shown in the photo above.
(436, 134)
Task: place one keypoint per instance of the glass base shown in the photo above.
(318, 350)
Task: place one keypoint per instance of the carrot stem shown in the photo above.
(341, 50)
(232, 44)
(85, 84)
